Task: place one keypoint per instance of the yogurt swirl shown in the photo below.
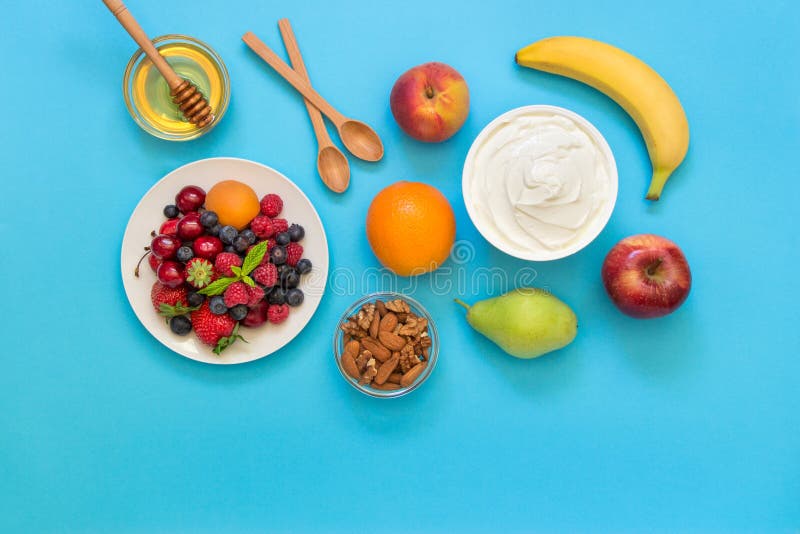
(539, 182)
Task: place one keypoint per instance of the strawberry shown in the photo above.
(218, 331)
(161, 294)
(199, 272)
(277, 313)
(236, 293)
(262, 226)
(256, 295)
(265, 274)
(224, 262)
(280, 225)
(271, 205)
(294, 253)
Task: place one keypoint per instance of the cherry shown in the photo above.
(257, 314)
(154, 262)
(207, 246)
(169, 227)
(189, 226)
(165, 246)
(170, 273)
(190, 198)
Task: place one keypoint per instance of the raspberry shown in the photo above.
(294, 252)
(271, 205)
(237, 293)
(280, 225)
(262, 226)
(265, 274)
(224, 262)
(255, 294)
(277, 313)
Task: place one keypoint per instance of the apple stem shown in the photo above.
(429, 91)
(462, 303)
(651, 270)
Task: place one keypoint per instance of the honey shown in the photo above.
(149, 94)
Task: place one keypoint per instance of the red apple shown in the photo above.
(430, 102)
(646, 276)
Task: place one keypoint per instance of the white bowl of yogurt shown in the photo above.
(540, 182)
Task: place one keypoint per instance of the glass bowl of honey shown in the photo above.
(147, 94)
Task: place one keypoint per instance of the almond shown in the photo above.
(381, 308)
(395, 377)
(391, 341)
(388, 322)
(350, 367)
(374, 325)
(352, 348)
(380, 352)
(386, 369)
(412, 374)
(386, 386)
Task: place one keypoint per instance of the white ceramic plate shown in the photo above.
(148, 216)
(590, 232)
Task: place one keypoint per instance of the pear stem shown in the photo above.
(461, 302)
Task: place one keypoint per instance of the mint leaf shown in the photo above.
(249, 281)
(235, 269)
(217, 287)
(254, 257)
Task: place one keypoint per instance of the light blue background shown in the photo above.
(685, 423)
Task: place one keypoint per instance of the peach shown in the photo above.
(430, 102)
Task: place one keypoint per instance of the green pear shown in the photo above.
(525, 322)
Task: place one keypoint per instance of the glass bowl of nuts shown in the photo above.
(386, 345)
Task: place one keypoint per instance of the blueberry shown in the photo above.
(171, 211)
(294, 297)
(291, 279)
(249, 235)
(217, 305)
(208, 219)
(276, 296)
(238, 312)
(184, 253)
(240, 243)
(229, 248)
(214, 230)
(296, 232)
(193, 298)
(303, 266)
(283, 238)
(278, 255)
(180, 324)
(227, 234)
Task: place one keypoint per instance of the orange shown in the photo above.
(411, 228)
(234, 203)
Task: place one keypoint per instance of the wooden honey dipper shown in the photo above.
(185, 94)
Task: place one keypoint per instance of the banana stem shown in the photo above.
(660, 177)
(461, 302)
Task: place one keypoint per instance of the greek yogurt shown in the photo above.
(540, 182)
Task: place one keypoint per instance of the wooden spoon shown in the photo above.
(332, 165)
(185, 95)
(358, 138)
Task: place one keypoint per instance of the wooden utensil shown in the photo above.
(332, 165)
(185, 95)
(358, 138)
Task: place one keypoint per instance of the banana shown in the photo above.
(632, 84)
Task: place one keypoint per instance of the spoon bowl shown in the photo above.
(333, 168)
(361, 140)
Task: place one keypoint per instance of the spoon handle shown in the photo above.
(265, 53)
(290, 42)
(125, 18)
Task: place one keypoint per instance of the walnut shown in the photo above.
(413, 327)
(398, 306)
(351, 329)
(369, 372)
(408, 358)
(364, 316)
(425, 340)
(362, 360)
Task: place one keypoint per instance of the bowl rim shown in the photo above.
(433, 356)
(592, 130)
(127, 80)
